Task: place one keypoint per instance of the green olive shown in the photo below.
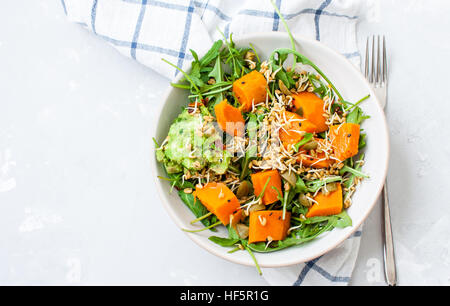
(330, 187)
(304, 200)
(290, 177)
(245, 187)
(257, 207)
(242, 230)
(311, 145)
(283, 88)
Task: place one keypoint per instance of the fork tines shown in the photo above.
(375, 63)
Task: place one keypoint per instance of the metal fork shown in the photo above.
(376, 74)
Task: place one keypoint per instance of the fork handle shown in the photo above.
(389, 256)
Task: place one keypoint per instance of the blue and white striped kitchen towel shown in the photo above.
(147, 30)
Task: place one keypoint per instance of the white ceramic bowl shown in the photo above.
(353, 86)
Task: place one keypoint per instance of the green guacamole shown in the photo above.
(192, 145)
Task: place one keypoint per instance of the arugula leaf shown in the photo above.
(217, 71)
(252, 149)
(315, 185)
(299, 236)
(225, 242)
(353, 171)
(198, 74)
(306, 138)
(349, 180)
(231, 241)
(235, 58)
(212, 53)
(232, 233)
(279, 71)
(291, 37)
(214, 92)
(194, 54)
(182, 86)
(300, 186)
(177, 181)
(191, 81)
(362, 141)
(357, 103)
(195, 74)
(304, 60)
(246, 246)
(310, 229)
(285, 200)
(315, 220)
(319, 86)
(299, 210)
(344, 220)
(356, 116)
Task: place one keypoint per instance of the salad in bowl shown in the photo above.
(266, 153)
(266, 147)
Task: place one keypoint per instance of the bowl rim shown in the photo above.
(354, 227)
